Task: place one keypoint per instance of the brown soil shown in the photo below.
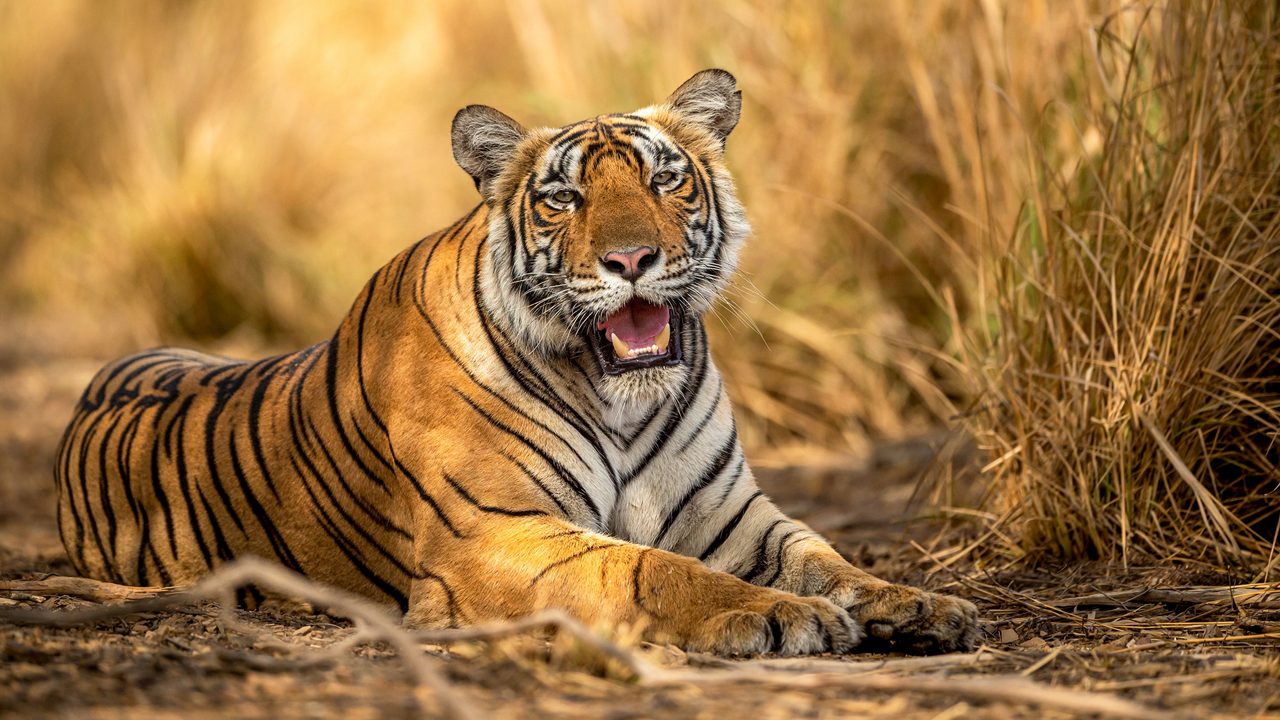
(1176, 654)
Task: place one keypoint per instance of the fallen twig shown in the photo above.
(1259, 596)
(953, 661)
(378, 624)
(96, 590)
(999, 688)
(638, 666)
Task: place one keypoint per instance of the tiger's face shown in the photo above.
(610, 236)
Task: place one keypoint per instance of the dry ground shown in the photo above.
(1078, 633)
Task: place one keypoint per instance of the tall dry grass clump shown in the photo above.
(1130, 381)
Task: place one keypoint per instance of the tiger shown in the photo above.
(519, 412)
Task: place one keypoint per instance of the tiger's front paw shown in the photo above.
(907, 619)
(783, 624)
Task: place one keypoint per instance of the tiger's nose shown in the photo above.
(630, 264)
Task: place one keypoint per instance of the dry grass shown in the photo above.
(1056, 219)
(214, 172)
(1131, 399)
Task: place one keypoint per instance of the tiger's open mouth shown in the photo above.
(639, 335)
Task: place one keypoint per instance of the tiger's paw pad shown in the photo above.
(905, 619)
(790, 626)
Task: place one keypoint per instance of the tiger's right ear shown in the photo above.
(483, 142)
(710, 98)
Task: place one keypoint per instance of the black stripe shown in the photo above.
(499, 397)
(782, 548)
(488, 508)
(127, 363)
(124, 456)
(162, 497)
(368, 444)
(636, 595)
(104, 498)
(278, 543)
(186, 483)
(708, 476)
(729, 527)
(364, 391)
(541, 485)
(332, 528)
(255, 430)
(760, 556)
(733, 483)
(66, 493)
(82, 466)
(331, 393)
(165, 578)
(555, 465)
(354, 556)
(424, 574)
(702, 424)
(569, 559)
(226, 390)
(219, 540)
(424, 495)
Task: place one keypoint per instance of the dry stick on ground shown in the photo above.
(380, 624)
(949, 662)
(643, 671)
(1261, 596)
(373, 623)
(1000, 688)
(96, 590)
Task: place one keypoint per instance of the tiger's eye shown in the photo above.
(664, 178)
(565, 197)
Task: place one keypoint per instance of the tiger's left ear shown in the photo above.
(484, 141)
(712, 99)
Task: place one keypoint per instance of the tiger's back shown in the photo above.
(177, 461)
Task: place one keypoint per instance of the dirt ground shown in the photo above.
(1082, 641)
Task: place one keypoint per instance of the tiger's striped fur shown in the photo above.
(455, 450)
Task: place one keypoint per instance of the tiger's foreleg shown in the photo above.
(768, 548)
(515, 566)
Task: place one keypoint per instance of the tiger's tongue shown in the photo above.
(637, 323)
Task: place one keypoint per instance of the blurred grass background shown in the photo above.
(957, 206)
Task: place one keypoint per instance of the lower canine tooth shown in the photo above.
(619, 347)
(660, 343)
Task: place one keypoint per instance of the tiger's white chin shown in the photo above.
(643, 386)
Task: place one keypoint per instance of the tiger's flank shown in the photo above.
(519, 412)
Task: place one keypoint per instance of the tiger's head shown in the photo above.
(611, 236)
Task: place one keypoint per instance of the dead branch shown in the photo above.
(218, 585)
(1258, 596)
(953, 661)
(1001, 688)
(557, 619)
(95, 590)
